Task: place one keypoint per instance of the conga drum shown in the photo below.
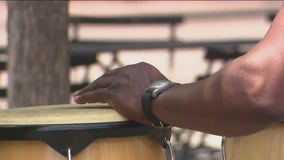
(266, 144)
(78, 132)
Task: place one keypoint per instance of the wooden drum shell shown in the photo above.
(138, 148)
(264, 145)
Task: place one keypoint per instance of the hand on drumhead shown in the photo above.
(122, 88)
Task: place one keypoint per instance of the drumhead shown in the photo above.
(62, 126)
(60, 114)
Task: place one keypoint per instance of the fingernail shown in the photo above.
(76, 97)
(76, 93)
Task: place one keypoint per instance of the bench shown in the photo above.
(77, 21)
(85, 52)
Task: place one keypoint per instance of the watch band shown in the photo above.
(147, 109)
(151, 93)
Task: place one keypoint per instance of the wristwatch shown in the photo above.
(151, 93)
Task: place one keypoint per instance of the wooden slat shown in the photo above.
(89, 47)
(152, 19)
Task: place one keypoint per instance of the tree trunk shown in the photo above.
(38, 62)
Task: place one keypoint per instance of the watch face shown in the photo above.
(156, 87)
(159, 84)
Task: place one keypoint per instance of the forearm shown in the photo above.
(246, 96)
(216, 105)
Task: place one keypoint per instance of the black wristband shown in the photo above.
(147, 109)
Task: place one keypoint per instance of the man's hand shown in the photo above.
(122, 88)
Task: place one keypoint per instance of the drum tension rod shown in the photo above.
(170, 149)
(69, 153)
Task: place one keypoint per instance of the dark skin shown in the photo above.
(244, 97)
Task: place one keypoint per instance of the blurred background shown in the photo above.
(185, 40)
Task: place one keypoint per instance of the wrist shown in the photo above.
(150, 96)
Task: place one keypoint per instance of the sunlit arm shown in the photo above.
(244, 97)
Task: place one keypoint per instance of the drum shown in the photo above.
(262, 145)
(78, 132)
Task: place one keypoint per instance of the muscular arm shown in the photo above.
(242, 98)
(238, 100)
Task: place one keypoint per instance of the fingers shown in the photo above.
(102, 82)
(97, 91)
(100, 95)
